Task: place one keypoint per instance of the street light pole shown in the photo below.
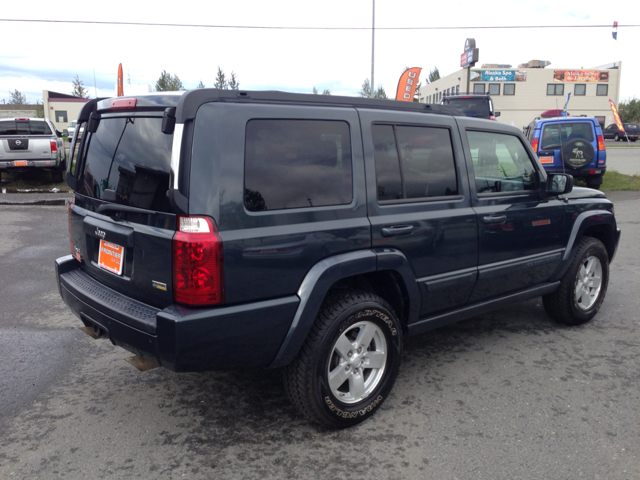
(373, 44)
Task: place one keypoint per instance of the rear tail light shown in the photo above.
(198, 263)
(534, 144)
(54, 146)
(124, 104)
(600, 142)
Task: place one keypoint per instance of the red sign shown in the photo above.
(407, 84)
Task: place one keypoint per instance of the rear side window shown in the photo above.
(129, 157)
(40, 128)
(554, 135)
(297, 164)
(413, 162)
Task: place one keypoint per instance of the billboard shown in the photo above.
(498, 75)
(580, 76)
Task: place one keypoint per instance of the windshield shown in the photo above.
(129, 159)
(554, 135)
(631, 126)
(472, 107)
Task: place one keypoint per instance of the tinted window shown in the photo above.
(602, 90)
(413, 162)
(471, 106)
(554, 135)
(297, 164)
(494, 89)
(24, 127)
(509, 89)
(500, 163)
(131, 157)
(40, 128)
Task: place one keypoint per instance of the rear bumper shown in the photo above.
(9, 166)
(179, 338)
(581, 172)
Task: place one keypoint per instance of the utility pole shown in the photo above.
(373, 46)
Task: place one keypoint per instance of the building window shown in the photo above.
(478, 88)
(555, 89)
(61, 116)
(509, 89)
(457, 89)
(494, 89)
(580, 89)
(602, 90)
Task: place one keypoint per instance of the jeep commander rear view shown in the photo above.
(217, 229)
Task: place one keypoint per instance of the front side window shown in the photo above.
(602, 90)
(478, 88)
(501, 163)
(580, 89)
(413, 162)
(130, 157)
(494, 89)
(297, 164)
(555, 89)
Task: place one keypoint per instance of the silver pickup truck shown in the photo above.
(29, 143)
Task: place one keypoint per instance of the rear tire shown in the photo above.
(349, 362)
(582, 287)
(616, 137)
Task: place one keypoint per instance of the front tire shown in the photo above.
(582, 287)
(616, 137)
(349, 362)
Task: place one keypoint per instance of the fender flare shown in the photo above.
(327, 272)
(583, 222)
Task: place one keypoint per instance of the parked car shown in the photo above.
(31, 143)
(478, 106)
(631, 132)
(214, 228)
(573, 145)
(71, 129)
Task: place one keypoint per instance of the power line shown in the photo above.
(256, 27)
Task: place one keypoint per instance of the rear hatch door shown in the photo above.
(122, 225)
(21, 139)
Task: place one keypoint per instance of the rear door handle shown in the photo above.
(494, 220)
(396, 230)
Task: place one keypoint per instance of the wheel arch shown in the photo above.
(386, 273)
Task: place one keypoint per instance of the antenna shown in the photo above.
(95, 88)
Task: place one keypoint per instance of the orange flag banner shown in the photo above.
(120, 82)
(616, 117)
(407, 84)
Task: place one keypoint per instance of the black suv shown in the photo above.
(214, 229)
(631, 132)
(478, 106)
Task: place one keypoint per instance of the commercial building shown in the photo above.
(533, 88)
(61, 108)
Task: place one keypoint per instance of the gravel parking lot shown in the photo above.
(503, 395)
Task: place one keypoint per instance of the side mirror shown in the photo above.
(559, 183)
(496, 114)
(58, 134)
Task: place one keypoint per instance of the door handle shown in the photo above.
(494, 220)
(396, 230)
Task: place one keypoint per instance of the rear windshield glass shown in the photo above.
(631, 126)
(554, 135)
(24, 127)
(129, 157)
(472, 107)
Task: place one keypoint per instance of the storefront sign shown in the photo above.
(498, 75)
(580, 76)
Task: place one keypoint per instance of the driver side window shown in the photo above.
(501, 163)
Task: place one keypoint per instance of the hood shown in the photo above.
(583, 192)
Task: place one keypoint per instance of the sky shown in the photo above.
(337, 55)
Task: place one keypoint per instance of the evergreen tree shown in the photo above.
(200, 85)
(78, 88)
(233, 83)
(221, 80)
(167, 82)
(366, 90)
